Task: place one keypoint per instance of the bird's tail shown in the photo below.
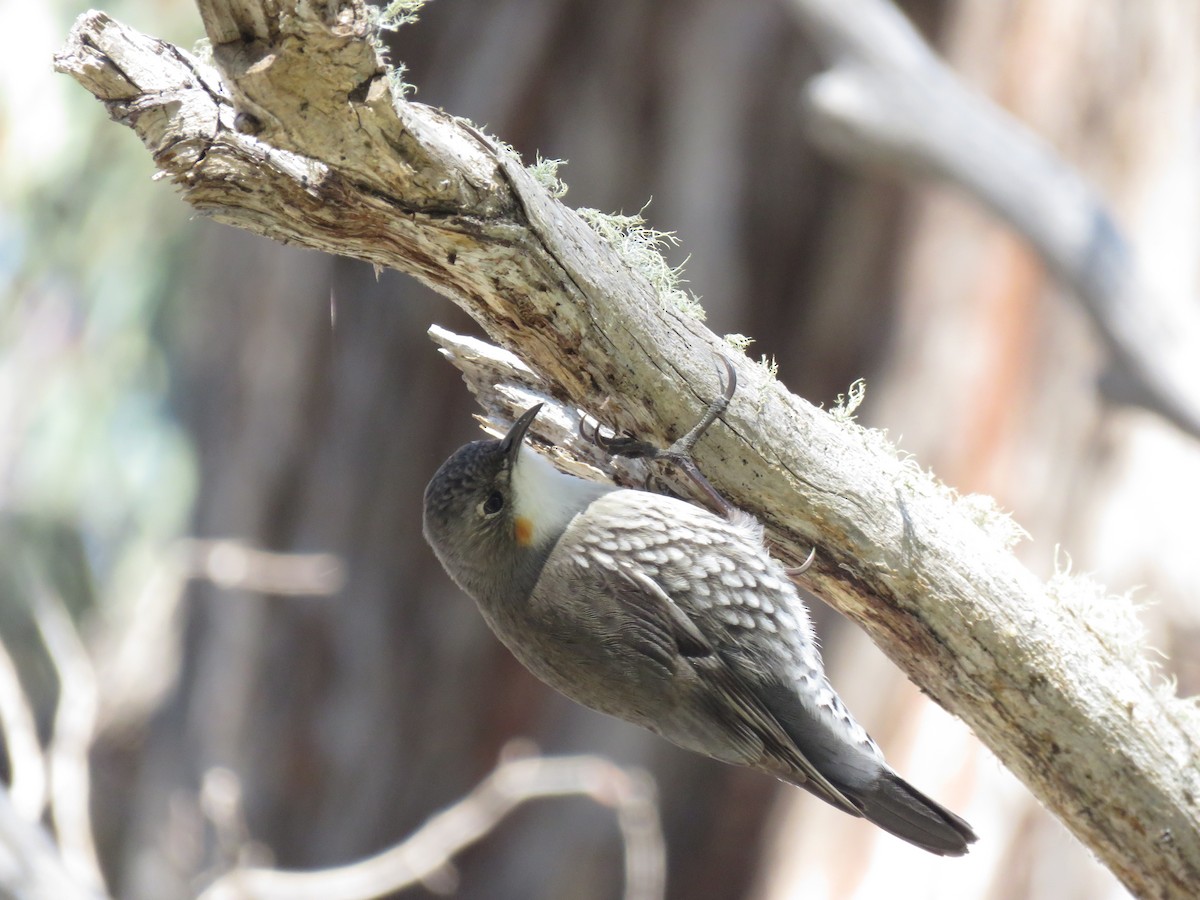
(896, 806)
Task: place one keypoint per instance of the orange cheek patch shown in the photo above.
(523, 530)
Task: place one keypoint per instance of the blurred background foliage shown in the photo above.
(96, 474)
(167, 384)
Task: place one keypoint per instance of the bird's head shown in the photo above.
(481, 509)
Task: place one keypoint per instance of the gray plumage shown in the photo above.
(661, 613)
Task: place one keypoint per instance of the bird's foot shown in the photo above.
(680, 452)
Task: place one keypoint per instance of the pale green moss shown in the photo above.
(984, 511)
(394, 15)
(770, 366)
(739, 342)
(545, 173)
(639, 247)
(848, 403)
(1113, 618)
(979, 508)
(396, 83)
(398, 13)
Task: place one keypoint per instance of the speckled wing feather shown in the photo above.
(679, 574)
(742, 712)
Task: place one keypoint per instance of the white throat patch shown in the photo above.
(545, 500)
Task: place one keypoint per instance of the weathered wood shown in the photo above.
(323, 154)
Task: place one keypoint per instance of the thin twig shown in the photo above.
(432, 848)
(30, 865)
(138, 652)
(74, 727)
(27, 765)
(233, 564)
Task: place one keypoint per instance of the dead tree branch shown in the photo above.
(32, 866)
(299, 136)
(424, 856)
(27, 765)
(887, 103)
(74, 728)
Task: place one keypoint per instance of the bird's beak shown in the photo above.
(510, 446)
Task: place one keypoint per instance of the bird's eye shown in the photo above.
(493, 504)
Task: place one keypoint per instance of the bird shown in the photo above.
(665, 614)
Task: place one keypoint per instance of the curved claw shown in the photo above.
(593, 438)
(608, 445)
(794, 571)
(730, 381)
(679, 452)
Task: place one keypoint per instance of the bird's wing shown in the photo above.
(655, 624)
